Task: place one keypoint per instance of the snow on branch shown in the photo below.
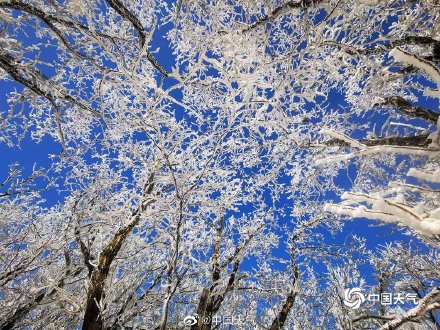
(428, 303)
(388, 210)
(359, 212)
(366, 150)
(433, 177)
(343, 137)
(434, 73)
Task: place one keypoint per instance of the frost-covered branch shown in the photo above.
(380, 149)
(180, 197)
(390, 211)
(278, 11)
(38, 82)
(408, 109)
(434, 73)
(92, 315)
(424, 175)
(428, 303)
(128, 15)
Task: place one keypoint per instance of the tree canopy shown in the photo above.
(165, 160)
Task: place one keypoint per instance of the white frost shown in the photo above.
(403, 56)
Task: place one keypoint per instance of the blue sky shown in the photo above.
(29, 153)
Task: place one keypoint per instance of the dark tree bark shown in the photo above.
(281, 318)
(277, 11)
(126, 14)
(50, 19)
(278, 323)
(410, 110)
(210, 302)
(35, 80)
(26, 308)
(22, 312)
(407, 141)
(92, 317)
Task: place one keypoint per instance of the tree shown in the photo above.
(191, 180)
(414, 205)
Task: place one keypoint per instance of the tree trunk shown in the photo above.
(278, 323)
